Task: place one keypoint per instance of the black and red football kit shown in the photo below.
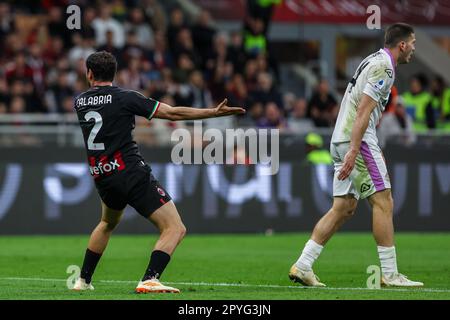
(107, 118)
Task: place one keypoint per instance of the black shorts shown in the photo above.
(136, 187)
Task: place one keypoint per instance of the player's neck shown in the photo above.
(393, 54)
(101, 83)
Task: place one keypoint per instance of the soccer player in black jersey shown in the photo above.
(107, 117)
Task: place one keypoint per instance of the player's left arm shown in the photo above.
(168, 112)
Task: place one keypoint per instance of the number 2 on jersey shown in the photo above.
(98, 124)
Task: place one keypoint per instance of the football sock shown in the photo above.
(310, 254)
(91, 259)
(158, 262)
(388, 260)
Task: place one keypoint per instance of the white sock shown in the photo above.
(310, 254)
(388, 260)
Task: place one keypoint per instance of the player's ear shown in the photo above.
(89, 75)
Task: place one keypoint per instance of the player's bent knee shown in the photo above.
(110, 225)
(344, 207)
(382, 201)
(182, 232)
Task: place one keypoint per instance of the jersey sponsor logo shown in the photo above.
(389, 72)
(105, 166)
(90, 101)
(365, 187)
(102, 168)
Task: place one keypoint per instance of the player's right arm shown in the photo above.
(378, 86)
(137, 104)
(365, 108)
(168, 112)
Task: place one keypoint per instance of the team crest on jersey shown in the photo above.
(161, 191)
(389, 72)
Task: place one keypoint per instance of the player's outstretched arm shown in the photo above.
(365, 108)
(168, 112)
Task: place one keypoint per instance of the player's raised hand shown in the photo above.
(349, 164)
(223, 110)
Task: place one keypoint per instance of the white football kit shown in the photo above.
(374, 77)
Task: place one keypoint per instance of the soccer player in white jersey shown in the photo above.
(360, 169)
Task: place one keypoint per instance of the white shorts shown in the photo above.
(367, 177)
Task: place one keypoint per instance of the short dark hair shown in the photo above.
(103, 65)
(397, 32)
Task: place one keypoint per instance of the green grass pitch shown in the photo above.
(222, 267)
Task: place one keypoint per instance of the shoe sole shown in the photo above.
(396, 286)
(297, 280)
(143, 290)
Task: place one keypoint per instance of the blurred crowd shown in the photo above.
(178, 60)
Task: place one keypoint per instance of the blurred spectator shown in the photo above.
(273, 117)
(322, 107)
(82, 48)
(58, 92)
(397, 124)
(19, 69)
(53, 51)
(266, 91)
(56, 23)
(297, 120)
(235, 51)
(7, 24)
(185, 46)
(199, 95)
(237, 91)
(132, 48)
(434, 107)
(17, 105)
(262, 9)
(89, 15)
(111, 48)
(251, 74)
(131, 77)
(440, 104)
(176, 23)
(184, 67)
(154, 14)
(445, 113)
(67, 105)
(218, 69)
(105, 22)
(4, 94)
(390, 105)
(37, 65)
(119, 10)
(253, 116)
(315, 153)
(142, 30)
(217, 55)
(160, 56)
(255, 41)
(203, 35)
(3, 108)
(417, 103)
